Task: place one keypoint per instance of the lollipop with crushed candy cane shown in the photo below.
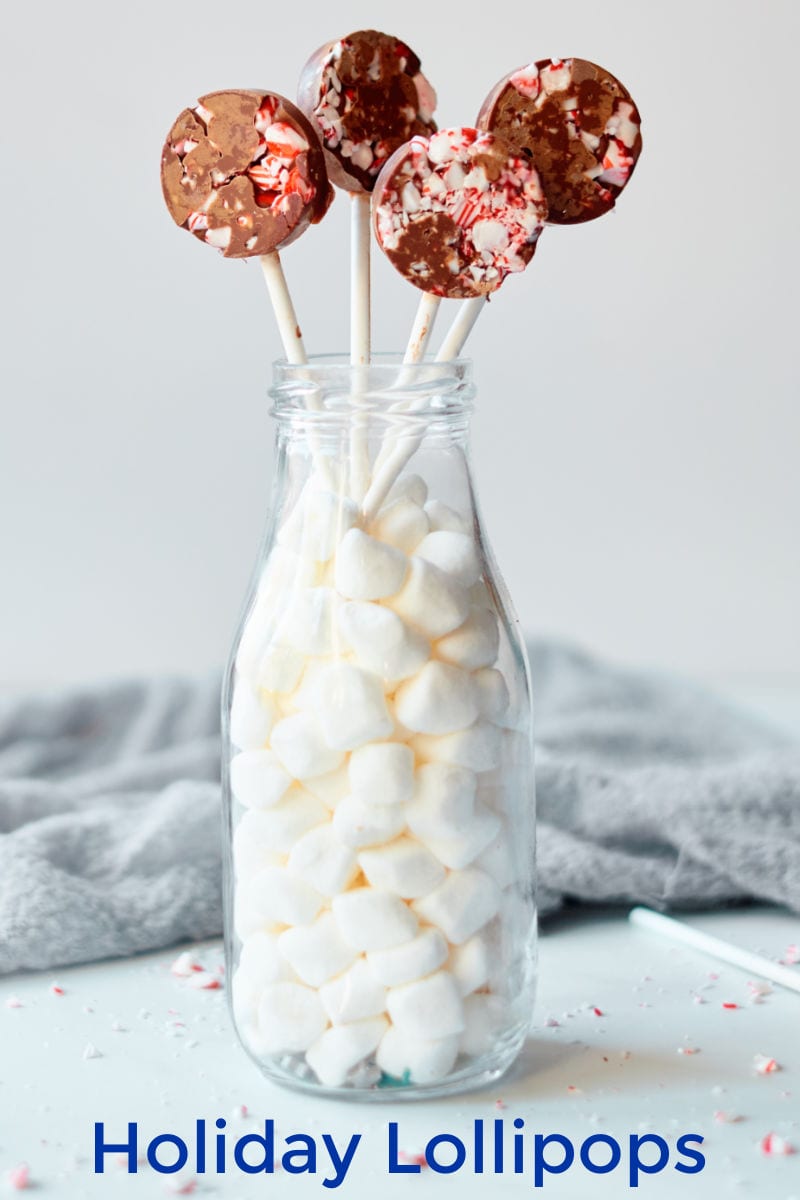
(244, 172)
(579, 126)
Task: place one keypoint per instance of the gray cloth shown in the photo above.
(649, 790)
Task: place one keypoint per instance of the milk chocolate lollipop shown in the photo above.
(579, 126)
(457, 212)
(367, 96)
(244, 172)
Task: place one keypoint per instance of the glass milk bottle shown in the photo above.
(379, 805)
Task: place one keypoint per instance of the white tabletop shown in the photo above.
(167, 1057)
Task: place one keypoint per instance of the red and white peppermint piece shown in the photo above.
(773, 1144)
(204, 981)
(19, 1177)
(765, 1066)
(185, 964)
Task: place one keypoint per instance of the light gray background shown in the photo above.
(636, 443)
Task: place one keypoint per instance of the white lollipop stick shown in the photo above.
(727, 952)
(422, 328)
(459, 331)
(360, 335)
(282, 306)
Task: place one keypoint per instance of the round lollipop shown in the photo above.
(579, 126)
(457, 212)
(367, 96)
(244, 172)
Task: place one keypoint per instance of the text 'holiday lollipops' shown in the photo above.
(377, 762)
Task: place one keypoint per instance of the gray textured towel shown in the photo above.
(649, 790)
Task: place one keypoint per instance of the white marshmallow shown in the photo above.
(260, 960)
(369, 919)
(304, 697)
(299, 744)
(454, 553)
(428, 1008)
(359, 823)
(257, 778)
(318, 523)
(323, 861)
(253, 847)
(470, 964)
(478, 747)
(290, 1018)
(484, 1018)
(402, 524)
(402, 1057)
(245, 995)
(382, 773)
(279, 668)
(463, 848)
(350, 707)
(285, 571)
(412, 960)
(340, 1049)
(330, 788)
(309, 624)
(282, 899)
(282, 825)
(284, 574)
(439, 699)
(444, 801)
(247, 920)
(252, 716)
(498, 860)
(461, 905)
(411, 487)
(367, 569)
(381, 641)
(354, 995)
(316, 952)
(474, 644)
(404, 867)
(492, 693)
(431, 601)
(442, 516)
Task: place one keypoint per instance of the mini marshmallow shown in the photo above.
(402, 524)
(382, 773)
(350, 707)
(252, 716)
(454, 553)
(463, 848)
(279, 668)
(253, 847)
(247, 920)
(439, 699)
(367, 569)
(442, 516)
(309, 624)
(369, 919)
(410, 487)
(281, 898)
(474, 644)
(260, 961)
(479, 747)
(316, 952)
(412, 960)
(304, 697)
(354, 995)
(290, 1018)
(299, 744)
(484, 1018)
(428, 1008)
(498, 861)
(470, 964)
(491, 692)
(404, 867)
(359, 823)
(257, 778)
(245, 995)
(330, 788)
(402, 1057)
(285, 571)
(318, 523)
(444, 801)
(461, 905)
(340, 1049)
(284, 823)
(430, 600)
(382, 642)
(320, 858)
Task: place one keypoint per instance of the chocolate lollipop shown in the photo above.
(244, 172)
(457, 212)
(579, 126)
(367, 96)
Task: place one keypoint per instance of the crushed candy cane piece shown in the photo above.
(57, 990)
(688, 1050)
(184, 965)
(552, 1023)
(764, 1065)
(19, 1177)
(598, 1012)
(729, 1004)
(182, 1187)
(501, 1104)
(14, 1002)
(204, 981)
(239, 1112)
(774, 1144)
(726, 1118)
(417, 1158)
(91, 1051)
(791, 957)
